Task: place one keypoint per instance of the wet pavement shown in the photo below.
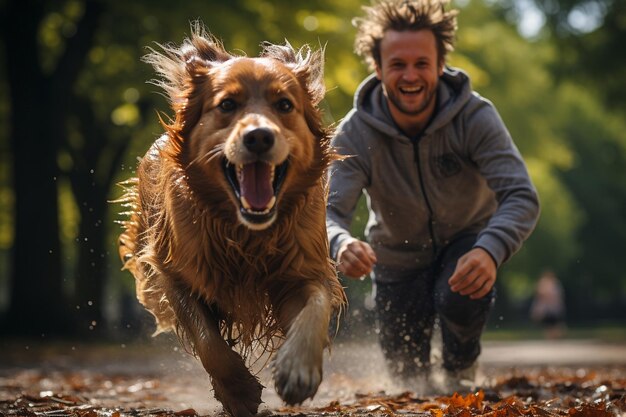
(554, 353)
(170, 378)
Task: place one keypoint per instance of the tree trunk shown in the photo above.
(39, 111)
(36, 304)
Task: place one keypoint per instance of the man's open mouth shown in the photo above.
(256, 186)
(411, 90)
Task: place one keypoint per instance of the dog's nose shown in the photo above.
(258, 140)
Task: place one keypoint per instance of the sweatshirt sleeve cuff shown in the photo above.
(336, 243)
(494, 247)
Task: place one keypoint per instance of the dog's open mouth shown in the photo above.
(256, 185)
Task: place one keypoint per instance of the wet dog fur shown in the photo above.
(226, 238)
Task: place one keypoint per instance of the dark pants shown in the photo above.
(406, 311)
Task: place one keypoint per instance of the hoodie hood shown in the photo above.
(453, 92)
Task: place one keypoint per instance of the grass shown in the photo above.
(608, 332)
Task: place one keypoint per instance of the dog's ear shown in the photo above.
(202, 50)
(306, 64)
(177, 66)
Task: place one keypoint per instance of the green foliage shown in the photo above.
(597, 181)
(590, 36)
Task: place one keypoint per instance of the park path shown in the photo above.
(172, 379)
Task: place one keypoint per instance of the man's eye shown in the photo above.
(284, 105)
(227, 105)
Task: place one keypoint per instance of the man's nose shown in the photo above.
(410, 74)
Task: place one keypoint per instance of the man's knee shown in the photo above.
(461, 312)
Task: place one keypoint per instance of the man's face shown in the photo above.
(409, 70)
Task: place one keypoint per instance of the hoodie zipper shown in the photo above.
(431, 214)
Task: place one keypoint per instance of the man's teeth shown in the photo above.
(411, 89)
(246, 205)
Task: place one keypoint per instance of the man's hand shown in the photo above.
(474, 275)
(355, 258)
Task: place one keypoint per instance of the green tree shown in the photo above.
(597, 182)
(588, 66)
(589, 35)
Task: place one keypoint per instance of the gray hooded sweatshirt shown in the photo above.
(462, 176)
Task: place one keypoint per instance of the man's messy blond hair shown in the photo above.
(404, 15)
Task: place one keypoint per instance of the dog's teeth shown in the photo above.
(270, 205)
(245, 204)
(272, 172)
(240, 173)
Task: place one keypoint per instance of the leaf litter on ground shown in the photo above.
(541, 392)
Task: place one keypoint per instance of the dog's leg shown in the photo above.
(298, 363)
(234, 386)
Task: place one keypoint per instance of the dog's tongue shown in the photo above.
(256, 184)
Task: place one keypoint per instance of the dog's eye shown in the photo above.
(284, 105)
(227, 105)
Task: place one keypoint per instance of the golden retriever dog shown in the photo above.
(226, 237)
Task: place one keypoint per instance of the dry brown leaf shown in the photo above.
(590, 410)
(187, 412)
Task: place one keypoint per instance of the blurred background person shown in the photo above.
(548, 305)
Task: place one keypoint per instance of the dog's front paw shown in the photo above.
(240, 398)
(297, 373)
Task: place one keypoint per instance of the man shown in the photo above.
(448, 193)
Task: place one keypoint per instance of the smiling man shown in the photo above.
(448, 193)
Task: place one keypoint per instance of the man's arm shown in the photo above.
(348, 178)
(492, 149)
(501, 164)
